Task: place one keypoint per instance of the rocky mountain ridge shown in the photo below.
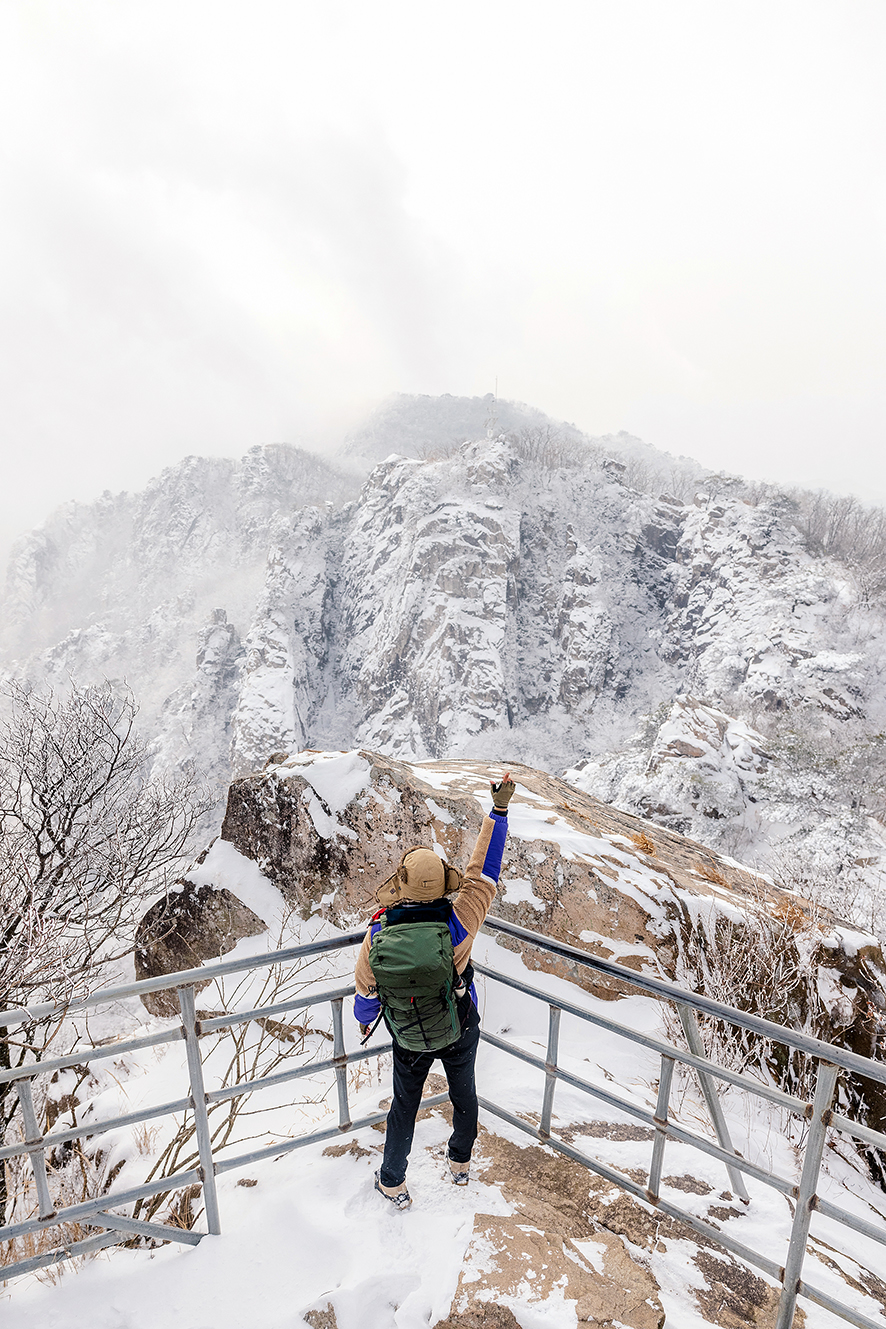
(687, 657)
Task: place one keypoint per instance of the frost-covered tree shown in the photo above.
(86, 834)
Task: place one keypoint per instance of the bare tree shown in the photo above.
(85, 836)
(846, 528)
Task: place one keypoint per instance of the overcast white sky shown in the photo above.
(224, 224)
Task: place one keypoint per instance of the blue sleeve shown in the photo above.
(458, 932)
(492, 862)
(457, 929)
(366, 1009)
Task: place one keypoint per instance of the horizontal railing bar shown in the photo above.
(671, 991)
(791, 1104)
(178, 1105)
(855, 1128)
(828, 1210)
(674, 1132)
(77, 1211)
(85, 1247)
(90, 1128)
(297, 1073)
(845, 1312)
(176, 1181)
(241, 1017)
(680, 1136)
(607, 1097)
(157, 1230)
(90, 1054)
(182, 978)
(316, 1137)
(815, 1047)
(624, 1183)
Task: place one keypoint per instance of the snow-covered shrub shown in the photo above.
(242, 1053)
(784, 962)
(86, 835)
(77, 1170)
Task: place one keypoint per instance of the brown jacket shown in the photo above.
(470, 907)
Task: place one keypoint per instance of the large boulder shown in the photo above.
(185, 928)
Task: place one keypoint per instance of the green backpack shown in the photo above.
(411, 958)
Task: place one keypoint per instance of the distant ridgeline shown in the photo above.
(690, 647)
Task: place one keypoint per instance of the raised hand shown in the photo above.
(501, 792)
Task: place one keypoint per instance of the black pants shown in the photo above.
(410, 1072)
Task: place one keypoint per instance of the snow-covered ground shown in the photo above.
(307, 1231)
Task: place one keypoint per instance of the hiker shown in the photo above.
(414, 971)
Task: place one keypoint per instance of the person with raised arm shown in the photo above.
(414, 972)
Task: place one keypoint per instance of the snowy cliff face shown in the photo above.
(474, 603)
(517, 596)
(771, 747)
(140, 586)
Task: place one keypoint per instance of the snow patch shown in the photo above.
(518, 890)
(225, 868)
(336, 777)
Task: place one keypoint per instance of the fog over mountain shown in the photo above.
(471, 579)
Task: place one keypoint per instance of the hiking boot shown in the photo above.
(460, 1172)
(398, 1195)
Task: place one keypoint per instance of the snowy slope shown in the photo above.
(306, 1241)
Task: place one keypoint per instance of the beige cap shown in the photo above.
(422, 876)
(425, 876)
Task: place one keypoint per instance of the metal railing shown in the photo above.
(818, 1113)
(116, 1227)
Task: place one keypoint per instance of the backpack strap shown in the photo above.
(379, 1018)
(463, 981)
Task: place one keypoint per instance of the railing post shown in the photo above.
(709, 1089)
(341, 1064)
(824, 1093)
(544, 1129)
(34, 1135)
(198, 1102)
(666, 1075)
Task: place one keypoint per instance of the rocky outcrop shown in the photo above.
(183, 930)
(328, 828)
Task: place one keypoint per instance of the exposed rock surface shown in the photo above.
(569, 1233)
(327, 829)
(184, 929)
(550, 1243)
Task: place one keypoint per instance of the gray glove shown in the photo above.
(501, 792)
